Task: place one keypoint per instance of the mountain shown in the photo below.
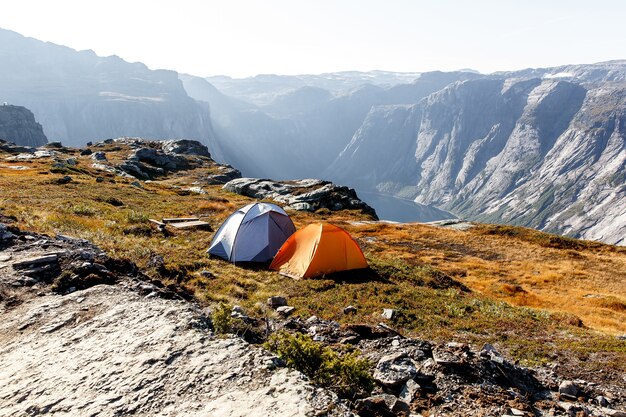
(300, 131)
(265, 88)
(540, 148)
(78, 96)
(18, 125)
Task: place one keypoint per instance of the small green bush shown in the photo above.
(348, 374)
(222, 321)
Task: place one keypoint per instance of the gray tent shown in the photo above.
(253, 233)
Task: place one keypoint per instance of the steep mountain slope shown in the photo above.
(547, 153)
(18, 125)
(300, 131)
(78, 96)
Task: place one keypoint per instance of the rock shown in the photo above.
(185, 147)
(613, 413)
(301, 207)
(136, 184)
(409, 391)
(349, 310)
(86, 152)
(568, 388)
(99, 156)
(18, 125)
(395, 369)
(375, 406)
(63, 180)
(285, 311)
(207, 274)
(307, 194)
(238, 309)
(99, 179)
(4, 233)
(226, 174)
(117, 353)
(388, 313)
(601, 401)
(276, 301)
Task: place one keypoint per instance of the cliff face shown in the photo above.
(18, 125)
(543, 153)
(79, 96)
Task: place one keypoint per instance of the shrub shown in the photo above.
(348, 374)
(222, 321)
(83, 210)
(137, 217)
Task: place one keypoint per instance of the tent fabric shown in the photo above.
(253, 233)
(318, 249)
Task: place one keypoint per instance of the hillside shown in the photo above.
(542, 300)
(544, 153)
(78, 96)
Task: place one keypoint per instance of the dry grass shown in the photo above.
(553, 280)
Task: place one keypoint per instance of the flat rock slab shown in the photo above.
(107, 351)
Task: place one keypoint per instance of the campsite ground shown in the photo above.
(541, 298)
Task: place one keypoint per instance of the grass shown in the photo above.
(523, 290)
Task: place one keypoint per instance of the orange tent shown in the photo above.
(316, 250)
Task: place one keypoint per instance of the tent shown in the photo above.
(316, 250)
(253, 233)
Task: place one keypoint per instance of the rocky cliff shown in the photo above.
(78, 96)
(18, 125)
(548, 152)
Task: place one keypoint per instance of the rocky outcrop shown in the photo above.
(307, 194)
(18, 125)
(125, 346)
(151, 159)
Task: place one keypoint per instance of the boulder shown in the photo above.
(276, 301)
(388, 313)
(349, 310)
(306, 194)
(568, 388)
(225, 174)
(285, 310)
(395, 369)
(185, 147)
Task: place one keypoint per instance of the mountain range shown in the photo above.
(543, 148)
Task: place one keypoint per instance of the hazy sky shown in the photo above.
(247, 37)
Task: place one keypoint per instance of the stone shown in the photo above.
(99, 179)
(388, 313)
(602, 401)
(395, 369)
(409, 391)
(568, 388)
(349, 310)
(86, 152)
(136, 184)
(185, 147)
(99, 156)
(301, 207)
(64, 180)
(276, 301)
(285, 311)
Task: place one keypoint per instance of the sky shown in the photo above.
(242, 38)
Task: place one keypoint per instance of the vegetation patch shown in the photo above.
(345, 373)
